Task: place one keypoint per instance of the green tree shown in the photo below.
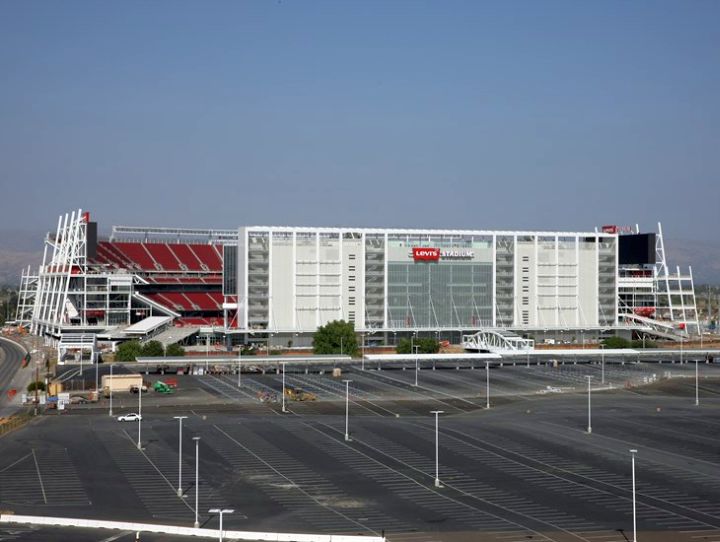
(404, 346)
(425, 345)
(129, 351)
(336, 337)
(428, 345)
(616, 343)
(153, 349)
(174, 350)
(39, 385)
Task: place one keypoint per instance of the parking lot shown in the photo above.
(526, 469)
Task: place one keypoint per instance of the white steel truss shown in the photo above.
(67, 258)
(675, 292)
(26, 297)
(494, 340)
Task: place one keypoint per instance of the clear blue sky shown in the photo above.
(507, 114)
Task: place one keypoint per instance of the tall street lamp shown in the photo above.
(197, 478)
(347, 409)
(697, 384)
(487, 384)
(139, 413)
(221, 511)
(437, 461)
(633, 452)
(681, 349)
(179, 490)
(417, 367)
(283, 387)
(362, 352)
(602, 363)
(110, 387)
(589, 429)
(240, 366)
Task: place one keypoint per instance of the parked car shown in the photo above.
(133, 417)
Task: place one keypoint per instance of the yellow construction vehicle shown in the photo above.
(298, 394)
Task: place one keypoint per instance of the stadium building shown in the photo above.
(260, 284)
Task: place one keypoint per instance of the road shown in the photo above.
(11, 357)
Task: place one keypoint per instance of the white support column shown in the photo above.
(341, 311)
(535, 285)
(517, 320)
(557, 280)
(682, 296)
(271, 323)
(317, 278)
(362, 311)
(494, 280)
(294, 281)
(385, 279)
(597, 278)
(246, 249)
(577, 281)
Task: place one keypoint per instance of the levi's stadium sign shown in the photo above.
(435, 254)
(423, 253)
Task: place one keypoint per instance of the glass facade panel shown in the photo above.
(441, 294)
(230, 270)
(452, 290)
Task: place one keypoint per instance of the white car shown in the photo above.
(130, 418)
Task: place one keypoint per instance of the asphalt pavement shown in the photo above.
(525, 469)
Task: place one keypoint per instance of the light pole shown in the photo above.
(347, 409)
(179, 491)
(602, 363)
(221, 511)
(437, 462)
(283, 386)
(417, 367)
(362, 352)
(697, 384)
(110, 386)
(681, 349)
(240, 367)
(633, 452)
(197, 478)
(487, 385)
(589, 429)
(140, 412)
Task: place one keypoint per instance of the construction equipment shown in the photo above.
(161, 387)
(298, 394)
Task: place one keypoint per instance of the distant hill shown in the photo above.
(18, 249)
(704, 256)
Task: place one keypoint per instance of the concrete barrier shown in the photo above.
(183, 531)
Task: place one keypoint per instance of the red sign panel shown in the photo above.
(424, 253)
(610, 228)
